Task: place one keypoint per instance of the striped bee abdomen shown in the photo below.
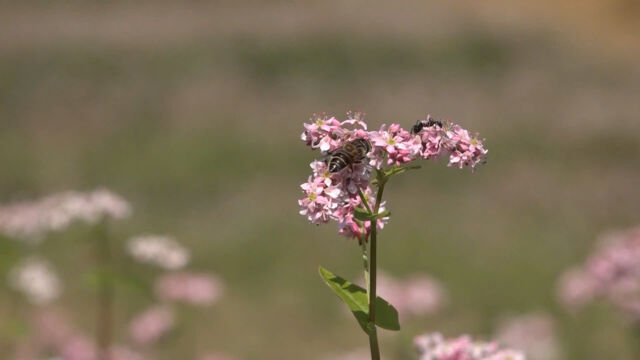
(352, 152)
(339, 160)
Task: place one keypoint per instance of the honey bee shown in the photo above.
(420, 124)
(350, 153)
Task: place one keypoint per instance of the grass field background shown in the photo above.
(193, 112)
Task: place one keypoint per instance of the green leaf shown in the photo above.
(356, 298)
(364, 215)
(361, 214)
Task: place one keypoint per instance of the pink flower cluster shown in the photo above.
(56, 335)
(611, 273)
(153, 323)
(190, 288)
(333, 196)
(533, 333)
(33, 219)
(435, 347)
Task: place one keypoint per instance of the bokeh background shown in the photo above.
(193, 112)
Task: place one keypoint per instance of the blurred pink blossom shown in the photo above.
(162, 251)
(78, 347)
(33, 219)
(418, 295)
(533, 333)
(149, 326)
(610, 273)
(217, 356)
(35, 278)
(52, 328)
(191, 288)
(124, 353)
(435, 347)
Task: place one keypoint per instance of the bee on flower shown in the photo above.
(352, 153)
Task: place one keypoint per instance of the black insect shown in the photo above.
(350, 153)
(421, 124)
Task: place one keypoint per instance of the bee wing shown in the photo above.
(325, 158)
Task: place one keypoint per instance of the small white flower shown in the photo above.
(162, 251)
(35, 278)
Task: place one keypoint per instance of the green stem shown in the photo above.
(104, 309)
(373, 334)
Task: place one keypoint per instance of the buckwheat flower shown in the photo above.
(423, 295)
(611, 273)
(432, 139)
(33, 219)
(124, 353)
(78, 347)
(418, 295)
(149, 326)
(533, 333)
(575, 289)
(348, 225)
(466, 151)
(162, 251)
(190, 288)
(35, 278)
(52, 328)
(217, 356)
(323, 133)
(334, 196)
(397, 144)
(318, 203)
(435, 347)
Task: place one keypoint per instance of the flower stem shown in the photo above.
(373, 334)
(104, 309)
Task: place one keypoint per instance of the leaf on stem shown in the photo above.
(356, 298)
(364, 215)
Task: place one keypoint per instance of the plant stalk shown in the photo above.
(104, 309)
(373, 334)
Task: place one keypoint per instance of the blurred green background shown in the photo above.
(193, 112)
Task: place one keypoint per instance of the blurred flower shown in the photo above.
(52, 328)
(78, 347)
(162, 251)
(334, 196)
(124, 353)
(532, 333)
(435, 347)
(35, 278)
(217, 356)
(418, 295)
(33, 219)
(149, 326)
(611, 273)
(191, 288)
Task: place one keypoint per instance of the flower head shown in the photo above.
(190, 288)
(611, 273)
(435, 347)
(417, 295)
(334, 195)
(533, 333)
(33, 219)
(162, 251)
(35, 278)
(149, 326)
